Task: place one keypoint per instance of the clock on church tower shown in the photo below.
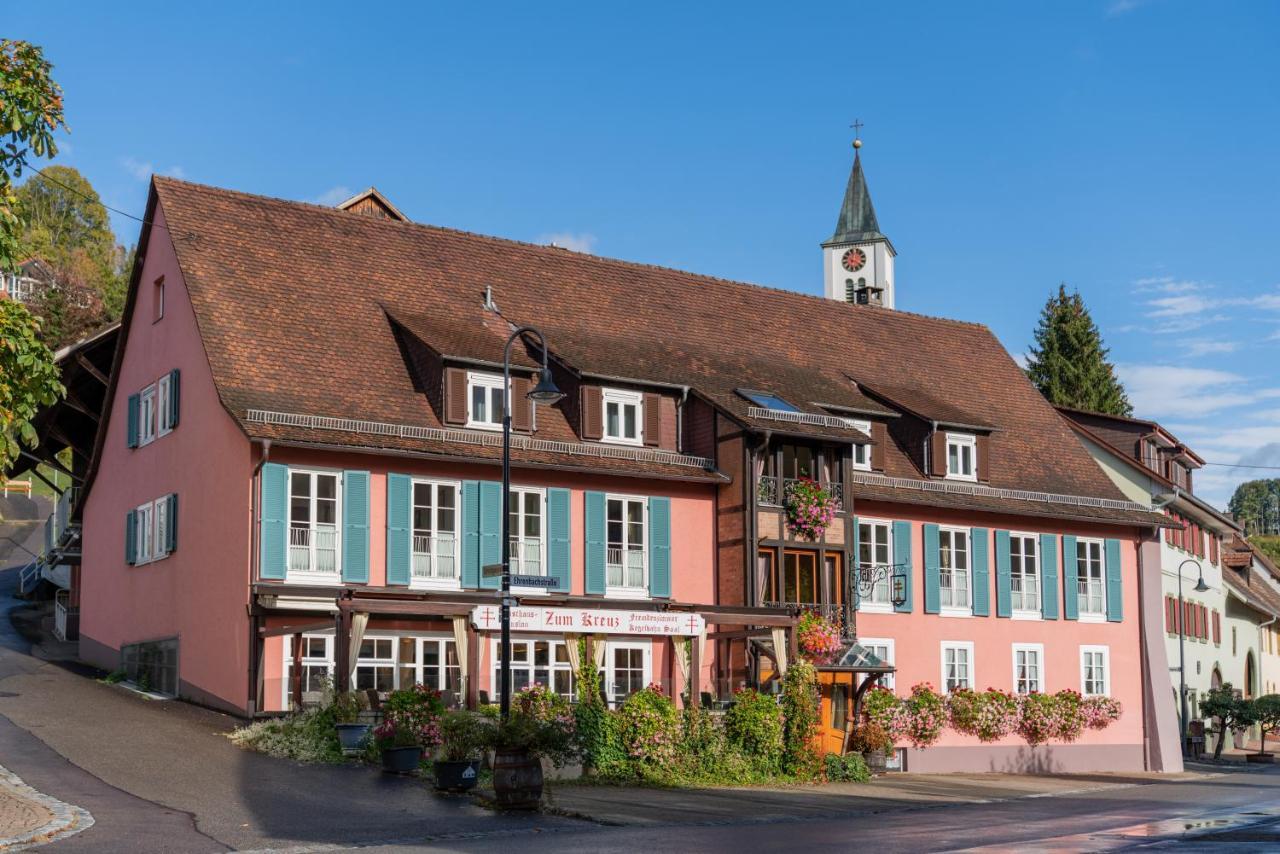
(853, 260)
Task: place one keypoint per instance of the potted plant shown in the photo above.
(874, 743)
(411, 724)
(541, 726)
(352, 734)
(463, 737)
(809, 508)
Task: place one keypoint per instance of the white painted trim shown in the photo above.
(967, 533)
(646, 650)
(892, 657)
(1038, 649)
(314, 576)
(641, 592)
(621, 397)
(962, 440)
(865, 427)
(1081, 614)
(942, 660)
(433, 582)
(1106, 667)
(489, 382)
(869, 606)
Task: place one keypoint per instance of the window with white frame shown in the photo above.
(435, 664)
(144, 521)
(386, 663)
(317, 667)
(881, 648)
(962, 456)
(147, 415)
(376, 666)
(525, 524)
(160, 546)
(623, 416)
(1028, 667)
(1091, 579)
(313, 522)
(435, 533)
(1095, 671)
(957, 665)
(484, 400)
(1024, 573)
(162, 407)
(627, 670)
(626, 553)
(953, 570)
(544, 662)
(861, 450)
(875, 549)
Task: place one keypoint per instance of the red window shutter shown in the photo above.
(1168, 533)
(592, 412)
(521, 405)
(984, 458)
(938, 451)
(652, 419)
(1213, 548)
(1217, 628)
(455, 396)
(880, 438)
(1170, 618)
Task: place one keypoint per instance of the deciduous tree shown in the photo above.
(1069, 362)
(1231, 712)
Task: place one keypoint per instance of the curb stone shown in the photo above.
(67, 819)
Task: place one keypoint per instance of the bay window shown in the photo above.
(313, 523)
(435, 532)
(626, 557)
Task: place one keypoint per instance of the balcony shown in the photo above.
(314, 549)
(435, 556)
(768, 492)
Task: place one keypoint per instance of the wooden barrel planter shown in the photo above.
(876, 761)
(517, 779)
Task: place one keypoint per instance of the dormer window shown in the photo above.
(861, 451)
(484, 401)
(768, 401)
(623, 416)
(962, 456)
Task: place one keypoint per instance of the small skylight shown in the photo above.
(768, 401)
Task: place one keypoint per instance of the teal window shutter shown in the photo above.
(172, 414)
(490, 531)
(558, 526)
(902, 556)
(130, 537)
(980, 567)
(1070, 579)
(856, 592)
(355, 527)
(274, 531)
(1049, 576)
(594, 555)
(171, 534)
(660, 547)
(1115, 585)
(1004, 569)
(932, 573)
(399, 501)
(471, 533)
(132, 438)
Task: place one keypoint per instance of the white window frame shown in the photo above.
(147, 415)
(646, 653)
(162, 407)
(967, 646)
(1038, 650)
(159, 549)
(963, 441)
(625, 591)
(314, 576)
(434, 581)
(307, 661)
(1105, 652)
(861, 459)
(373, 662)
(527, 664)
(144, 526)
(1024, 613)
(1086, 616)
(622, 398)
(491, 383)
(956, 610)
(889, 658)
(867, 603)
(518, 541)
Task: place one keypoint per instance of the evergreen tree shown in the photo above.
(1069, 363)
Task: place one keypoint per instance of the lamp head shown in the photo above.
(545, 392)
(1200, 587)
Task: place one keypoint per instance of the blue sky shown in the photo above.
(1124, 147)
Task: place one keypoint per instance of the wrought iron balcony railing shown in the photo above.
(769, 493)
(435, 556)
(313, 549)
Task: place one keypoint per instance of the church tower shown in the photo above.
(857, 260)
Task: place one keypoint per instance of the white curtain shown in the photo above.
(359, 622)
(780, 649)
(571, 650)
(597, 651)
(683, 651)
(460, 644)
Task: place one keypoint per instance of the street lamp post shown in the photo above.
(544, 393)
(1182, 644)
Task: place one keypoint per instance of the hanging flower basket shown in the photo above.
(817, 637)
(810, 508)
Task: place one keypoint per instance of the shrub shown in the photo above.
(801, 706)
(541, 722)
(1100, 712)
(411, 718)
(869, 736)
(924, 714)
(754, 726)
(817, 637)
(305, 737)
(464, 735)
(649, 727)
(850, 768)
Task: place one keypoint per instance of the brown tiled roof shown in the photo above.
(295, 301)
(926, 405)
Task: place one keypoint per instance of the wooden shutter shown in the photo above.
(652, 404)
(979, 545)
(880, 439)
(273, 534)
(982, 449)
(938, 453)
(174, 397)
(594, 530)
(399, 527)
(659, 546)
(1115, 583)
(1213, 548)
(902, 557)
(490, 531)
(932, 573)
(171, 521)
(131, 537)
(455, 396)
(558, 527)
(355, 527)
(132, 438)
(471, 533)
(521, 405)
(1217, 629)
(592, 412)
(1070, 579)
(1049, 576)
(1004, 572)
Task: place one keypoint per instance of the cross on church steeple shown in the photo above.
(857, 130)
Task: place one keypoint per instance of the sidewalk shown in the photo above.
(637, 806)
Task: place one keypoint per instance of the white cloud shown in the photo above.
(581, 242)
(143, 170)
(1208, 346)
(1166, 390)
(1166, 285)
(333, 196)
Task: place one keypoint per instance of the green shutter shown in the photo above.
(856, 592)
(932, 573)
(902, 557)
(274, 531)
(132, 438)
(1115, 584)
(171, 534)
(1070, 579)
(1004, 569)
(558, 527)
(471, 533)
(980, 563)
(130, 537)
(399, 509)
(1049, 576)
(594, 554)
(490, 531)
(355, 527)
(174, 396)
(660, 547)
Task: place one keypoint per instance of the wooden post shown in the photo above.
(695, 671)
(341, 651)
(472, 687)
(295, 675)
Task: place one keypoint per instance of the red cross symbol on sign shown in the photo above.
(693, 623)
(486, 617)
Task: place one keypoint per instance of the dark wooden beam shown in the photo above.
(58, 436)
(746, 618)
(695, 672)
(472, 688)
(421, 609)
(91, 368)
(74, 402)
(740, 634)
(47, 482)
(295, 675)
(306, 628)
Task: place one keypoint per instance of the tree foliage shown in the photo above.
(1231, 712)
(29, 379)
(1069, 362)
(1266, 714)
(1256, 506)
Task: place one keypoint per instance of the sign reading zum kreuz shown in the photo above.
(591, 621)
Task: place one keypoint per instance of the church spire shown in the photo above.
(858, 258)
(857, 220)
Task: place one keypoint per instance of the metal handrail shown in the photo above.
(769, 494)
